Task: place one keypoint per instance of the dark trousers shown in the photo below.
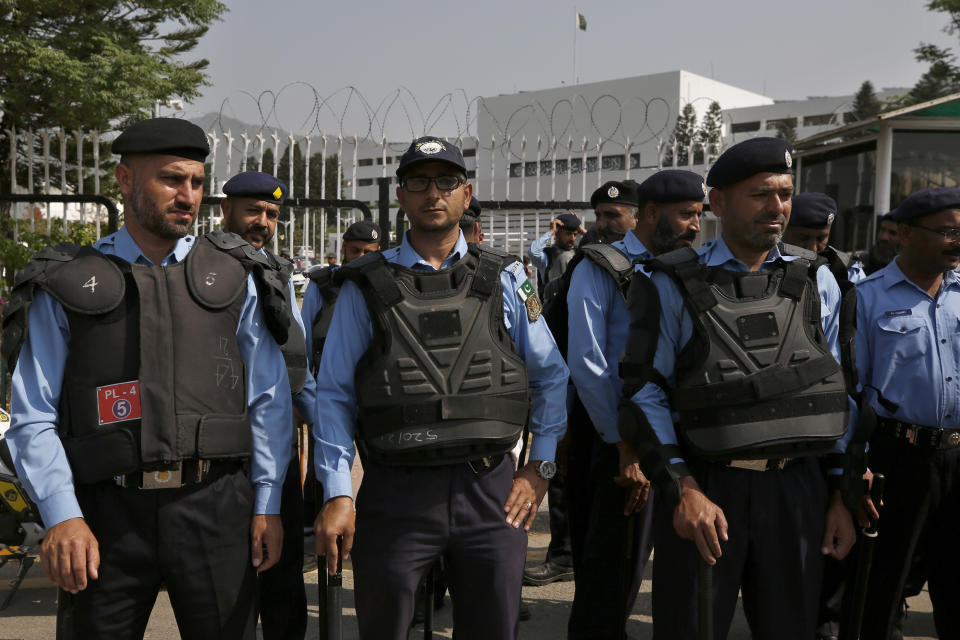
(559, 552)
(921, 511)
(775, 523)
(195, 540)
(610, 550)
(407, 517)
(283, 599)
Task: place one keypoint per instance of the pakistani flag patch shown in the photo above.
(531, 300)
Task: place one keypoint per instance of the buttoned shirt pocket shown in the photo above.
(901, 340)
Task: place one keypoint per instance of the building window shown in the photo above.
(515, 169)
(546, 168)
(469, 153)
(561, 167)
(777, 123)
(592, 164)
(815, 121)
(743, 127)
(365, 182)
(365, 162)
(471, 174)
(576, 166)
(613, 163)
(634, 160)
(530, 169)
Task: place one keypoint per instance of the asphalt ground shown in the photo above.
(32, 614)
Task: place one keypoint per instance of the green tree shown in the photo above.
(684, 133)
(866, 104)
(87, 65)
(787, 129)
(942, 76)
(710, 133)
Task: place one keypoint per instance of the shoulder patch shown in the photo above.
(528, 295)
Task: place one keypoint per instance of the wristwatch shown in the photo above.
(547, 469)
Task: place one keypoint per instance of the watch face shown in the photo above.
(547, 469)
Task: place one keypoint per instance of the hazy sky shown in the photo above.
(782, 49)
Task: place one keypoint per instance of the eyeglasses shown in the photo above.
(444, 183)
(951, 234)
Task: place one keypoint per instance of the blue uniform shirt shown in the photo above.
(349, 337)
(34, 442)
(306, 400)
(598, 323)
(908, 347)
(676, 329)
(538, 256)
(855, 272)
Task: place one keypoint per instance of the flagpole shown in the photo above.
(576, 27)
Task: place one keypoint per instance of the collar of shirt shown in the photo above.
(633, 247)
(407, 256)
(122, 245)
(717, 254)
(892, 275)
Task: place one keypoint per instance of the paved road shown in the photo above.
(32, 615)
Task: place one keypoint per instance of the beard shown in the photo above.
(151, 218)
(665, 240)
(607, 235)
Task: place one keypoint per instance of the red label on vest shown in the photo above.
(119, 402)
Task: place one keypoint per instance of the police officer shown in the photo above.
(908, 353)
(881, 253)
(470, 222)
(742, 335)
(810, 221)
(251, 210)
(147, 377)
(611, 546)
(438, 388)
(552, 251)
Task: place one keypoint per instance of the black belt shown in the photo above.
(919, 435)
(191, 471)
(482, 464)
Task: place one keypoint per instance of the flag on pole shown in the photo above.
(581, 21)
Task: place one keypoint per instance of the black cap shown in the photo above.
(812, 210)
(569, 221)
(256, 184)
(430, 149)
(169, 136)
(616, 192)
(923, 203)
(364, 231)
(750, 157)
(672, 185)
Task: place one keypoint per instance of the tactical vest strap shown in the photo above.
(765, 384)
(380, 420)
(372, 270)
(641, 373)
(765, 412)
(795, 278)
(613, 261)
(487, 277)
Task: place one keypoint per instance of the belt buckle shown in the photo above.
(949, 439)
(751, 465)
(482, 463)
(163, 479)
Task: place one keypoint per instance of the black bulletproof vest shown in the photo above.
(150, 341)
(329, 290)
(558, 259)
(294, 348)
(758, 379)
(441, 382)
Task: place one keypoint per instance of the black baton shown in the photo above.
(850, 630)
(705, 599)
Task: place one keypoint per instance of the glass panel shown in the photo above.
(846, 175)
(923, 160)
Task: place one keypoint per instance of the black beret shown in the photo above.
(923, 203)
(430, 149)
(672, 185)
(616, 192)
(812, 210)
(364, 231)
(569, 221)
(473, 210)
(169, 136)
(750, 157)
(255, 184)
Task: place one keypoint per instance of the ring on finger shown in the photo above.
(527, 505)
